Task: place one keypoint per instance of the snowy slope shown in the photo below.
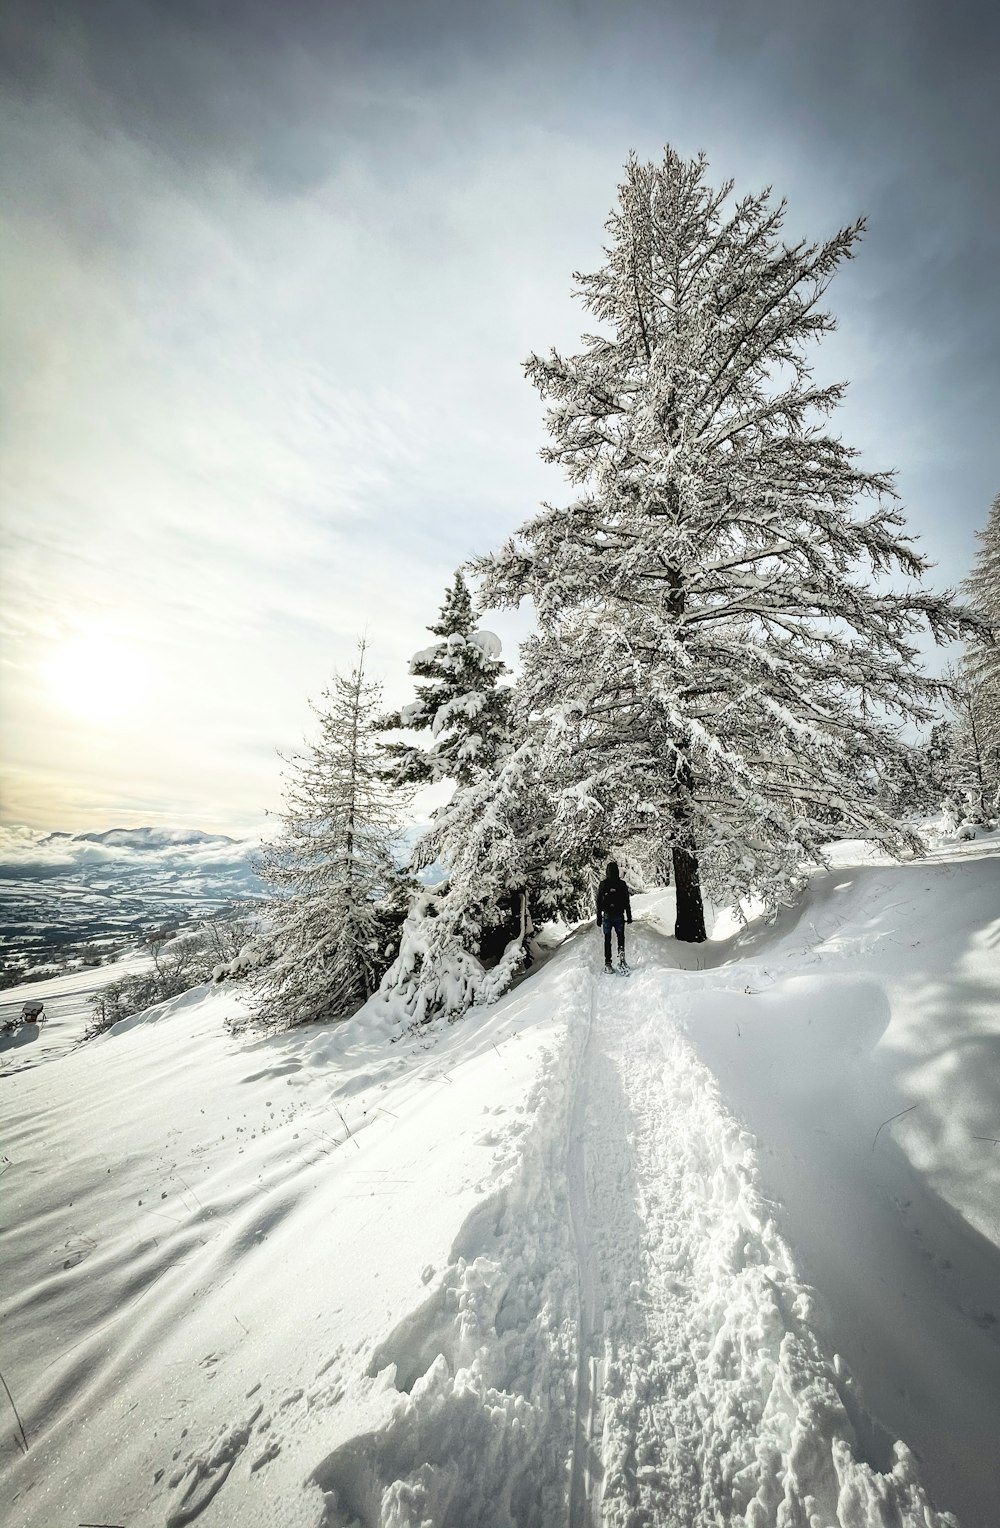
(545, 1266)
(882, 1004)
(68, 1012)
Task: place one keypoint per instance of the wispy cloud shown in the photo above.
(269, 286)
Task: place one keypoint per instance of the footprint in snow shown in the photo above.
(271, 1452)
(207, 1476)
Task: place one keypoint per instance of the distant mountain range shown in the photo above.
(65, 895)
(142, 838)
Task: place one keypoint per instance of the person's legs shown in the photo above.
(607, 940)
(620, 931)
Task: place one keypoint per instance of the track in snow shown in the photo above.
(587, 1473)
(608, 1238)
(703, 1391)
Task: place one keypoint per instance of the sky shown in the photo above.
(269, 277)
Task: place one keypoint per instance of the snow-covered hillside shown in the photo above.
(68, 1003)
(621, 1251)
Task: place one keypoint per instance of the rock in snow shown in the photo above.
(628, 1251)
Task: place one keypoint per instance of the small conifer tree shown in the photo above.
(459, 701)
(336, 899)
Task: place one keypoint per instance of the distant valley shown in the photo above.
(71, 896)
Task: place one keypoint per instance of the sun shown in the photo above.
(97, 675)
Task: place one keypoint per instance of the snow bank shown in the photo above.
(859, 1038)
(722, 1404)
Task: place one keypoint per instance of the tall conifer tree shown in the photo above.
(715, 653)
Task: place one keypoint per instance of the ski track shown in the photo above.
(622, 1338)
(586, 1469)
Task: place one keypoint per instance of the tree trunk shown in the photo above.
(690, 922)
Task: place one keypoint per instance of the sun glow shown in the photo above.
(97, 675)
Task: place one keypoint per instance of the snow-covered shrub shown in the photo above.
(134, 993)
(247, 958)
(178, 963)
(434, 974)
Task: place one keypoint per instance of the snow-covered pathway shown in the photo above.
(718, 1403)
(533, 1269)
(586, 1484)
(621, 1336)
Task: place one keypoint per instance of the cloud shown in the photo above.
(27, 854)
(23, 853)
(271, 273)
(235, 470)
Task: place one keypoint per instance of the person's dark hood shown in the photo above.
(612, 873)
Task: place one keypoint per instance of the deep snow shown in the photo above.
(619, 1250)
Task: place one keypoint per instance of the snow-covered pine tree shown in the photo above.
(507, 872)
(925, 776)
(331, 868)
(718, 658)
(498, 840)
(459, 701)
(971, 765)
(981, 667)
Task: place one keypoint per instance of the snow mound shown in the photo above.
(488, 642)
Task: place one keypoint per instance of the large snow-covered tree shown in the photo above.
(506, 873)
(332, 871)
(723, 653)
(459, 701)
(980, 702)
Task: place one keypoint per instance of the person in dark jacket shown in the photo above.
(614, 910)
